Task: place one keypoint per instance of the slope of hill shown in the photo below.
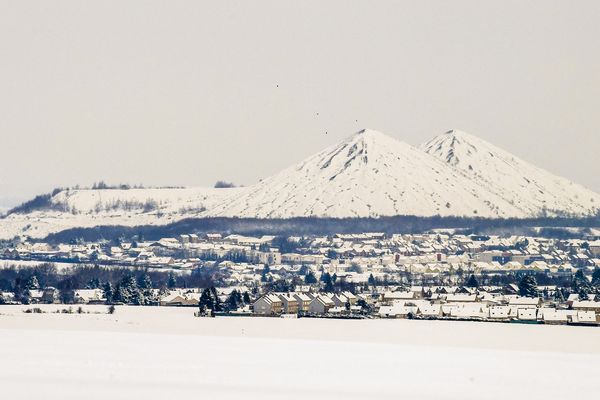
(533, 191)
(366, 175)
(94, 207)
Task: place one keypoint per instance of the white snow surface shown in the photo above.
(532, 190)
(368, 174)
(158, 353)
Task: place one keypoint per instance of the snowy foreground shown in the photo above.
(160, 353)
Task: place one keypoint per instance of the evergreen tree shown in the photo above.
(246, 298)
(216, 300)
(234, 301)
(328, 282)
(528, 287)
(580, 281)
(32, 283)
(583, 296)
(558, 296)
(310, 278)
(94, 283)
(107, 289)
(596, 278)
(144, 282)
(206, 302)
(265, 272)
(172, 282)
(146, 295)
(371, 280)
(472, 282)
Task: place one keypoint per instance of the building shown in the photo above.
(269, 304)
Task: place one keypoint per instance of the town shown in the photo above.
(438, 275)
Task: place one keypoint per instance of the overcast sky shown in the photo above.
(185, 92)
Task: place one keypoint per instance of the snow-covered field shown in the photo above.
(158, 353)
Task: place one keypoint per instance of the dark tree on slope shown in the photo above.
(472, 282)
(310, 278)
(528, 287)
(223, 185)
(172, 283)
(371, 279)
(328, 281)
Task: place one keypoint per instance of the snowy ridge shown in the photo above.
(368, 174)
(533, 191)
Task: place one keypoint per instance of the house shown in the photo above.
(397, 310)
(50, 295)
(461, 298)
(527, 314)
(339, 300)
(289, 303)
(7, 298)
(269, 304)
(89, 296)
(586, 305)
(303, 301)
(390, 297)
(179, 298)
(321, 304)
(352, 299)
(500, 313)
(525, 302)
(552, 316)
(431, 310)
(585, 317)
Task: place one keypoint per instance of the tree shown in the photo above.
(206, 302)
(364, 306)
(32, 283)
(108, 291)
(234, 301)
(265, 272)
(583, 296)
(472, 282)
(326, 278)
(172, 282)
(580, 282)
(246, 298)
(558, 296)
(310, 278)
(596, 278)
(371, 280)
(528, 287)
(216, 300)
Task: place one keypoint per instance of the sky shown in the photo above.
(191, 92)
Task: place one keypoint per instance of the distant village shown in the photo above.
(437, 275)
